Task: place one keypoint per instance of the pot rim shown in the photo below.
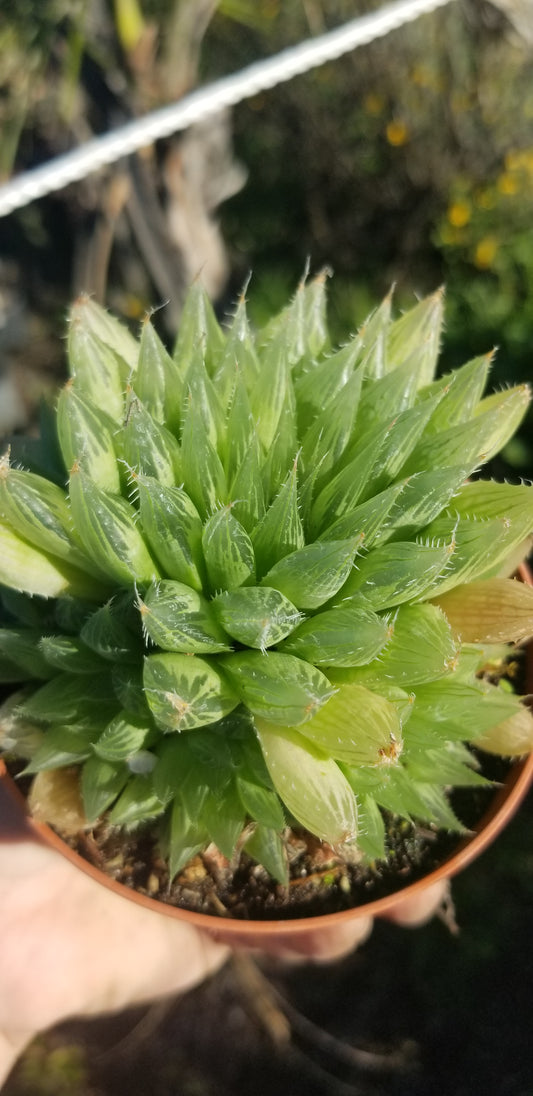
(504, 805)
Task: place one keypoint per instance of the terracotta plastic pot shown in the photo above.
(258, 933)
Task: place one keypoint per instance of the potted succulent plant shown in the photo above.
(256, 613)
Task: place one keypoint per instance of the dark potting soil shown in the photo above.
(322, 880)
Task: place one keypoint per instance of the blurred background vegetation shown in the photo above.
(409, 161)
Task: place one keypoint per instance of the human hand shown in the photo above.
(69, 946)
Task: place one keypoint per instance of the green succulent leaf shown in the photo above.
(341, 494)
(484, 500)
(421, 649)
(369, 518)
(246, 491)
(69, 699)
(124, 736)
(33, 571)
(373, 335)
(356, 726)
(348, 636)
(95, 367)
(281, 454)
(384, 399)
(289, 327)
(101, 784)
(10, 673)
(399, 441)
(280, 532)
(38, 511)
(239, 361)
(91, 316)
(107, 527)
(185, 840)
(424, 497)
(311, 785)
(158, 380)
(129, 690)
(461, 390)
(67, 654)
(61, 746)
(185, 691)
(371, 837)
(197, 784)
(32, 612)
(277, 686)
(317, 387)
(178, 618)
(241, 431)
(460, 710)
(201, 394)
(479, 547)
(473, 442)
(315, 329)
(270, 391)
(21, 647)
(86, 434)
(136, 803)
(173, 764)
(201, 465)
(412, 799)
(312, 575)
(228, 551)
(395, 573)
(330, 433)
(172, 528)
(199, 331)
(266, 846)
(149, 448)
(256, 616)
(444, 767)
(418, 333)
(106, 632)
(286, 687)
(260, 803)
(224, 818)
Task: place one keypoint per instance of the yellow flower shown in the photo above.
(485, 252)
(459, 213)
(397, 133)
(507, 183)
(520, 159)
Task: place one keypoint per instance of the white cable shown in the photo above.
(226, 92)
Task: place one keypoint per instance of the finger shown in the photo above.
(415, 911)
(321, 945)
(329, 944)
(89, 950)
